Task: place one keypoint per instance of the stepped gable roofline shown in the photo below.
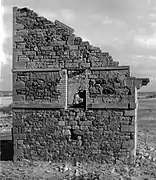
(139, 82)
(71, 30)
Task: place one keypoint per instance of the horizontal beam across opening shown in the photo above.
(35, 70)
(72, 68)
(38, 106)
(112, 106)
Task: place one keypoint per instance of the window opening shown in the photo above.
(76, 89)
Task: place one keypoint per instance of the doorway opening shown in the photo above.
(6, 150)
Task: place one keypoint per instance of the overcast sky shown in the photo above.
(124, 28)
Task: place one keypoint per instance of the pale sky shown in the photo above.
(124, 28)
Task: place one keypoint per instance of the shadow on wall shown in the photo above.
(6, 150)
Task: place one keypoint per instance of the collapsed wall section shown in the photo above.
(71, 101)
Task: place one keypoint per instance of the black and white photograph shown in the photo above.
(78, 90)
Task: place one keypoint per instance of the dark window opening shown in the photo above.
(77, 89)
(73, 136)
(6, 150)
(79, 100)
(129, 92)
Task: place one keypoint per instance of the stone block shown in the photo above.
(115, 63)
(73, 123)
(53, 54)
(23, 14)
(128, 144)
(15, 130)
(31, 53)
(18, 98)
(85, 123)
(129, 82)
(61, 123)
(105, 113)
(132, 121)
(85, 65)
(89, 133)
(132, 105)
(22, 32)
(17, 122)
(67, 127)
(19, 65)
(60, 24)
(21, 46)
(18, 26)
(67, 132)
(18, 154)
(84, 128)
(109, 106)
(95, 144)
(47, 48)
(125, 120)
(71, 65)
(127, 128)
(129, 113)
(75, 127)
(23, 59)
(20, 141)
(73, 47)
(19, 136)
(78, 132)
(93, 76)
(17, 52)
(18, 39)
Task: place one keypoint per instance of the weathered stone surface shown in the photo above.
(129, 113)
(41, 51)
(45, 128)
(37, 87)
(127, 128)
(128, 144)
(61, 123)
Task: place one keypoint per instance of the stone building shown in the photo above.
(71, 101)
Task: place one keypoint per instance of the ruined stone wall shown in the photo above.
(73, 135)
(51, 67)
